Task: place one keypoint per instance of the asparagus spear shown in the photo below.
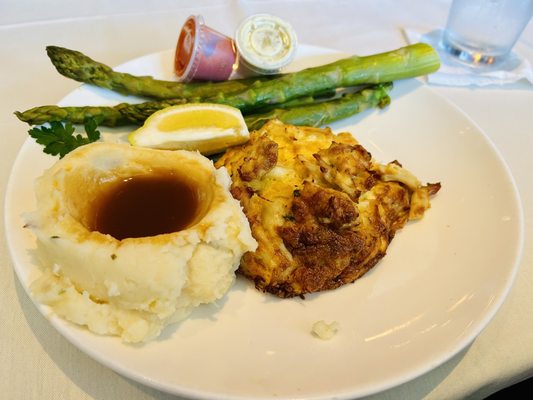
(303, 111)
(406, 62)
(119, 115)
(79, 67)
(325, 112)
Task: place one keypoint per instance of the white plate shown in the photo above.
(441, 282)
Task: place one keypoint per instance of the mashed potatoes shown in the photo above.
(136, 286)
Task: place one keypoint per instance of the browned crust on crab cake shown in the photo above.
(322, 210)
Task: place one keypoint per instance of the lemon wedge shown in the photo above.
(208, 128)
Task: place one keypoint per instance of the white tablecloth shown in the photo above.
(38, 363)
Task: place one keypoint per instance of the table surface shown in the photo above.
(38, 363)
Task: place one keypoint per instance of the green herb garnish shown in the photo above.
(59, 138)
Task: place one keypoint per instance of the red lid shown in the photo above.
(185, 46)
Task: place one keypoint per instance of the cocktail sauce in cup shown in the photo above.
(265, 43)
(203, 53)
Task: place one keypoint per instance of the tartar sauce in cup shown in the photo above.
(265, 43)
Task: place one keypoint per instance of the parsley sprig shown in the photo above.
(59, 138)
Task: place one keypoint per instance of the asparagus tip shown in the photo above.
(20, 116)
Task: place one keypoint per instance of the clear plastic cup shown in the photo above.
(203, 53)
(483, 32)
(265, 43)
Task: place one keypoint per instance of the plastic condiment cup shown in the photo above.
(265, 43)
(203, 53)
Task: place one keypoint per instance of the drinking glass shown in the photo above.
(483, 32)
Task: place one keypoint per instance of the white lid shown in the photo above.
(266, 43)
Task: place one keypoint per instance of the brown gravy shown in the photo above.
(145, 205)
